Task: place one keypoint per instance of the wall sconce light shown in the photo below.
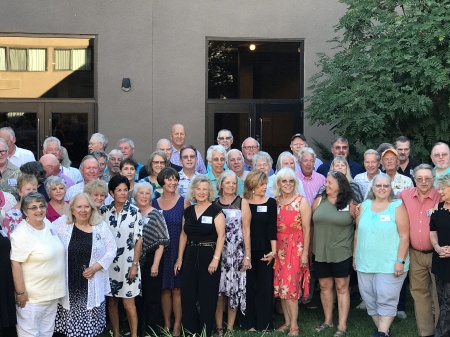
(126, 84)
(252, 47)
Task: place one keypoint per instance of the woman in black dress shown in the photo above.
(263, 238)
(199, 254)
(440, 239)
(8, 305)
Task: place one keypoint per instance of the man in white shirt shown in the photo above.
(17, 155)
(371, 164)
(187, 174)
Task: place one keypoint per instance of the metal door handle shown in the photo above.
(38, 138)
(261, 132)
(50, 131)
(249, 127)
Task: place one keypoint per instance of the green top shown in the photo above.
(333, 233)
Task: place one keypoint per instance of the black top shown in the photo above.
(7, 298)
(355, 168)
(439, 222)
(263, 226)
(409, 169)
(202, 229)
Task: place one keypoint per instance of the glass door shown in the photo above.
(32, 122)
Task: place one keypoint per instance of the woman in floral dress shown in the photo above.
(291, 272)
(236, 254)
(124, 274)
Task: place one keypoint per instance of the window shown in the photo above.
(27, 59)
(2, 59)
(73, 59)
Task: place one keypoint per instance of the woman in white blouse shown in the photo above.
(89, 249)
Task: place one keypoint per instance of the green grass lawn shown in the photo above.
(359, 323)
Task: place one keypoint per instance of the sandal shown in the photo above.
(293, 332)
(284, 328)
(339, 333)
(322, 327)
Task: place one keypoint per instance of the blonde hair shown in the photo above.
(95, 217)
(340, 159)
(201, 179)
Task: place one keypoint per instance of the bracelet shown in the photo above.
(215, 257)
(21, 293)
(400, 261)
(135, 263)
(247, 258)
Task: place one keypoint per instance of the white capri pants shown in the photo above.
(380, 292)
(37, 319)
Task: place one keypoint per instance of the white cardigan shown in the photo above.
(104, 250)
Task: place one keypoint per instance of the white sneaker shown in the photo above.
(401, 314)
(362, 306)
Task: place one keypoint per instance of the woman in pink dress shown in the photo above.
(56, 190)
(291, 278)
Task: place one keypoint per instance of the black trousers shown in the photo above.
(443, 294)
(199, 290)
(259, 312)
(150, 308)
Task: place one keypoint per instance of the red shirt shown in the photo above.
(419, 213)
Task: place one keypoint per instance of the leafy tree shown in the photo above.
(390, 75)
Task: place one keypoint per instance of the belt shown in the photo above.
(201, 244)
(426, 251)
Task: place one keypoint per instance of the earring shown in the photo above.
(253, 191)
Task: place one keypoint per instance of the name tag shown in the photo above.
(385, 218)
(207, 219)
(261, 209)
(12, 182)
(346, 209)
(429, 212)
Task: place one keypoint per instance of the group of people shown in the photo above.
(177, 243)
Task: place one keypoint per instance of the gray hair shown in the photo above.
(65, 157)
(261, 155)
(216, 148)
(383, 147)
(339, 139)
(53, 181)
(102, 139)
(437, 144)
(115, 152)
(161, 140)
(96, 186)
(143, 184)
(285, 171)
(283, 155)
(307, 150)
(198, 180)
(6, 144)
(100, 154)
(9, 130)
(29, 198)
(232, 151)
(125, 140)
(371, 195)
(49, 140)
(225, 130)
(250, 138)
(443, 180)
(221, 179)
(424, 167)
(372, 151)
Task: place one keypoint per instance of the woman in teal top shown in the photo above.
(381, 255)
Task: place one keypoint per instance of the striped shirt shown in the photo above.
(311, 184)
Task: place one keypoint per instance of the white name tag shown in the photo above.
(261, 209)
(12, 182)
(385, 218)
(207, 219)
(346, 209)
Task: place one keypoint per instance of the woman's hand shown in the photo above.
(268, 257)
(304, 260)
(444, 251)
(89, 272)
(132, 272)
(154, 270)
(246, 263)
(21, 300)
(213, 266)
(177, 266)
(398, 270)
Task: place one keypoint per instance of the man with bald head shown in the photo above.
(52, 167)
(178, 137)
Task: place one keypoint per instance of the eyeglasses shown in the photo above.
(338, 148)
(382, 186)
(261, 166)
(3, 152)
(188, 157)
(423, 180)
(221, 159)
(224, 138)
(158, 162)
(440, 155)
(286, 181)
(250, 147)
(35, 208)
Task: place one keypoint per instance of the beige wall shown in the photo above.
(161, 46)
